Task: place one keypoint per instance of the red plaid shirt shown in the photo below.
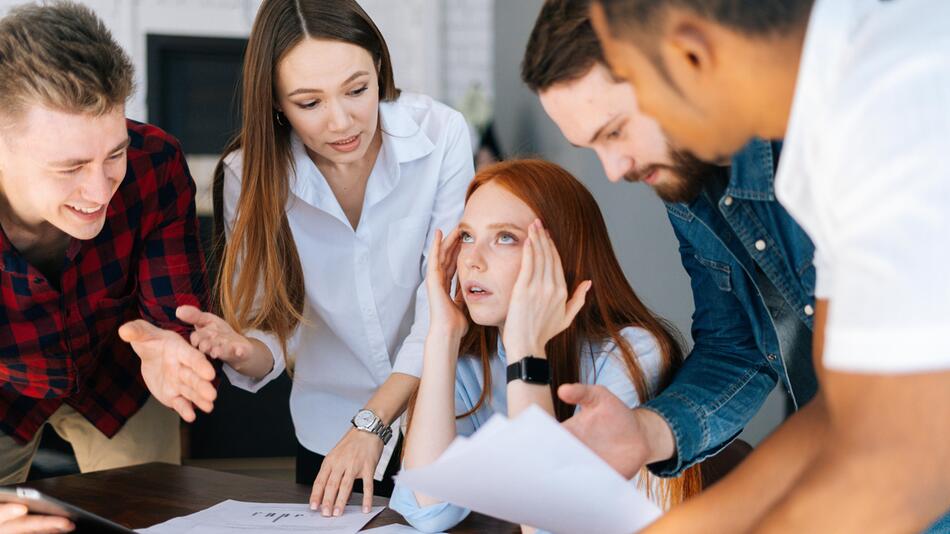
(62, 346)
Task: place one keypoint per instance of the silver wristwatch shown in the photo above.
(367, 421)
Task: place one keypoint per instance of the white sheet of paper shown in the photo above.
(230, 517)
(530, 470)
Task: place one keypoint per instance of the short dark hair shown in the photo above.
(754, 17)
(60, 55)
(751, 17)
(562, 47)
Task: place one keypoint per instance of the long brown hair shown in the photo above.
(573, 218)
(260, 283)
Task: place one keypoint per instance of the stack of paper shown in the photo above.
(263, 518)
(531, 471)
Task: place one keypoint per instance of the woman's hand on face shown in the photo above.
(445, 316)
(215, 337)
(539, 307)
(355, 456)
(14, 519)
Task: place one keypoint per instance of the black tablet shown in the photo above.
(37, 503)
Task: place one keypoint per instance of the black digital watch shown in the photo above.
(530, 370)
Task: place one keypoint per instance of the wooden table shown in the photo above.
(144, 495)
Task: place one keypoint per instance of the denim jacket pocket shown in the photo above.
(720, 272)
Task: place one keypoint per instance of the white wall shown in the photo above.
(439, 47)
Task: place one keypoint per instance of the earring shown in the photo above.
(277, 116)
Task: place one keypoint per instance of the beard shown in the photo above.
(687, 176)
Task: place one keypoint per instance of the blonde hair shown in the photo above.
(60, 55)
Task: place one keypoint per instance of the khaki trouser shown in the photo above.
(151, 435)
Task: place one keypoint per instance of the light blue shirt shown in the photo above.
(600, 363)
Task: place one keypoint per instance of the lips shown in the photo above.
(345, 141)
(650, 179)
(473, 290)
(347, 144)
(647, 176)
(88, 213)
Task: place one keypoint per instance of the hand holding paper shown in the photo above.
(531, 471)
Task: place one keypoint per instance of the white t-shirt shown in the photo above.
(366, 312)
(865, 169)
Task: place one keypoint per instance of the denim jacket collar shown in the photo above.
(752, 172)
(751, 177)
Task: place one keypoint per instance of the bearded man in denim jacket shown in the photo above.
(749, 263)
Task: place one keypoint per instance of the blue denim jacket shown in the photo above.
(725, 235)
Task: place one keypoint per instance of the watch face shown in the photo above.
(364, 419)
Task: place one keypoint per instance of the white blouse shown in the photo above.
(366, 313)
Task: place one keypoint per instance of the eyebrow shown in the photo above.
(495, 226)
(352, 77)
(77, 162)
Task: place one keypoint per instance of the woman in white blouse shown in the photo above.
(332, 192)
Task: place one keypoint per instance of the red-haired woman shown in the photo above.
(537, 278)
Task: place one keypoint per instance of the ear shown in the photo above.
(689, 50)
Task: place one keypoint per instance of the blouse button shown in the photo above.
(760, 245)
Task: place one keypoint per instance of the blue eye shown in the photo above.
(466, 237)
(507, 239)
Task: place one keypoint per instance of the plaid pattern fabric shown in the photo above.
(62, 345)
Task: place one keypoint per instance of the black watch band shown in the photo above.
(530, 370)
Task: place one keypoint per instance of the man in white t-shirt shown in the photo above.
(860, 90)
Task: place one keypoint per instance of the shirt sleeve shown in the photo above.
(254, 385)
(232, 192)
(457, 172)
(611, 371)
(438, 517)
(443, 516)
(886, 258)
(172, 270)
(725, 378)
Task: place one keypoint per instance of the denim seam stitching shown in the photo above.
(733, 389)
(721, 401)
(700, 415)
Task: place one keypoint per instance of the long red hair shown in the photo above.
(577, 228)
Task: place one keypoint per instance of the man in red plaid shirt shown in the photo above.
(99, 242)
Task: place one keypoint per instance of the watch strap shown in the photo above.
(531, 370)
(382, 430)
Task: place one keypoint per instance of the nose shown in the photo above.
(340, 119)
(616, 166)
(471, 257)
(99, 185)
